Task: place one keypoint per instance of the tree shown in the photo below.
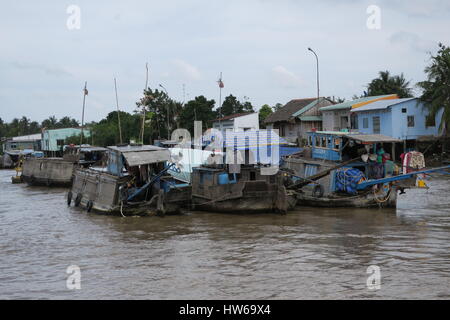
(67, 122)
(264, 112)
(436, 89)
(232, 105)
(50, 123)
(163, 109)
(277, 106)
(387, 84)
(200, 109)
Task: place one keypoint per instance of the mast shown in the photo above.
(85, 93)
(118, 113)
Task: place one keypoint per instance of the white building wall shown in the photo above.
(250, 121)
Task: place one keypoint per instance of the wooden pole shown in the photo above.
(82, 114)
(118, 113)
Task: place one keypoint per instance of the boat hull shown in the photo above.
(365, 200)
(48, 172)
(269, 198)
(100, 192)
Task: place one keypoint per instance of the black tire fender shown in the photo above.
(78, 199)
(89, 206)
(318, 191)
(69, 198)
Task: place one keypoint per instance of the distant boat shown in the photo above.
(37, 170)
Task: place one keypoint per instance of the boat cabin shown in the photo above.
(130, 183)
(85, 155)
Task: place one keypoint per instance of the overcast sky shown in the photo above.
(259, 45)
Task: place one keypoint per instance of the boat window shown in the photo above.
(252, 175)
(330, 144)
(317, 138)
(310, 141)
(324, 142)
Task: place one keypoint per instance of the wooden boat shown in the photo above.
(59, 171)
(215, 189)
(134, 182)
(327, 153)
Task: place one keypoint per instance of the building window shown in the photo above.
(430, 121)
(365, 123)
(404, 110)
(410, 121)
(376, 124)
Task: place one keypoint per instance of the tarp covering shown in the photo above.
(347, 180)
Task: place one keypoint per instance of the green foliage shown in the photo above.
(387, 84)
(436, 89)
(24, 126)
(200, 109)
(232, 105)
(164, 111)
(264, 112)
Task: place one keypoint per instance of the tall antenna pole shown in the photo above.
(118, 113)
(220, 101)
(85, 93)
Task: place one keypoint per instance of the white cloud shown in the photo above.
(286, 78)
(187, 70)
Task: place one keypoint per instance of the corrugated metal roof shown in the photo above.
(30, 137)
(135, 148)
(287, 112)
(371, 138)
(381, 104)
(306, 108)
(349, 104)
(233, 116)
(146, 157)
(142, 154)
(311, 118)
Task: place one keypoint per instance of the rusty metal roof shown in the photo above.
(371, 138)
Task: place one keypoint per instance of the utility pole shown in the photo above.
(317, 60)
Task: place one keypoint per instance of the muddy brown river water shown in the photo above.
(310, 253)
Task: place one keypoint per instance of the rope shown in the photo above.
(121, 205)
(385, 199)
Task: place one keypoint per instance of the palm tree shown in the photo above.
(436, 89)
(387, 84)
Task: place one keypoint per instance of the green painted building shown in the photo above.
(53, 140)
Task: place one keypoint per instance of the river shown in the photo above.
(309, 253)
